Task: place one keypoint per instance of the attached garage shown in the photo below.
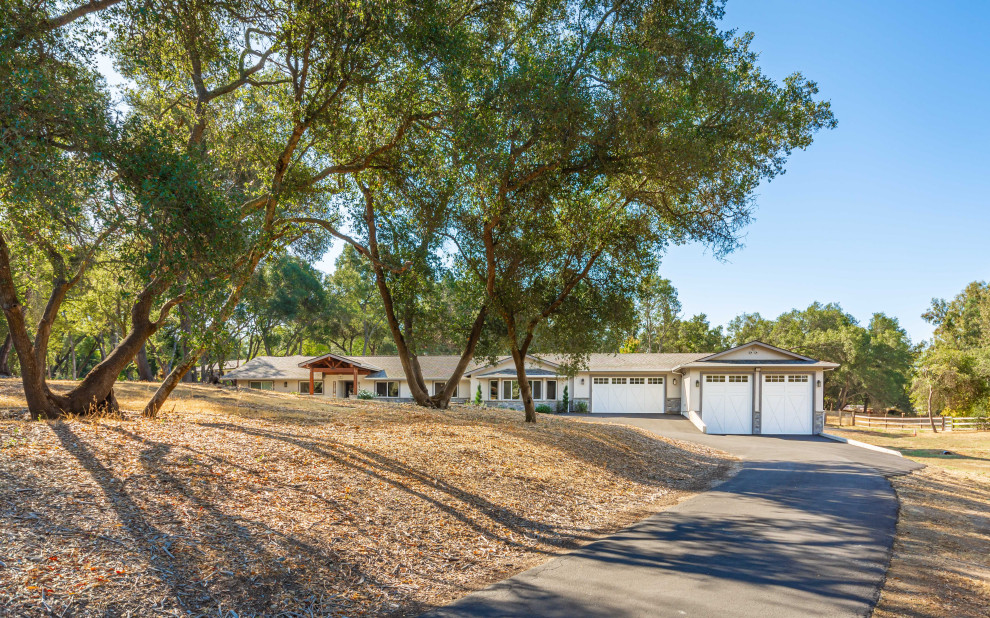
(627, 395)
(727, 403)
(787, 404)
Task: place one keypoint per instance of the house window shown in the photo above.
(601, 380)
(738, 378)
(552, 390)
(493, 390)
(536, 388)
(510, 389)
(437, 387)
(317, 387)
(262, 386)
(387, 389)
(714, 378)
(618, 380)
(774, 378)
(637, 380)
(334, 388)
(654, 380)
(797, 378)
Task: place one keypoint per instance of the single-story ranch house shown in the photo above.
(754, 388)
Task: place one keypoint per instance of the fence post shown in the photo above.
(943, 423)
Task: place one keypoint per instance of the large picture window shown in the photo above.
(317, 387)
(263, 386)
(552, 390)
(387, 389)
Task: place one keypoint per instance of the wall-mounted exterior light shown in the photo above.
(674, 381)
(582, 381)
(819, 384)
(697, 383)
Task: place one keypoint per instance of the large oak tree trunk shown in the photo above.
(94, 394)
(519, 358)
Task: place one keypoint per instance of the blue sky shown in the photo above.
(891, 208)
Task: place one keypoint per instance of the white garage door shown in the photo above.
(626, 395)
(787, 404)
(727, 404)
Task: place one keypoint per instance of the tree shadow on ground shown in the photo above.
(388, 470)
(185, 553)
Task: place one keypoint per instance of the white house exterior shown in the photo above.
(751, 389)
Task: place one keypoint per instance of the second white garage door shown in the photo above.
(727, 404)
(627, 395)
(787, 407)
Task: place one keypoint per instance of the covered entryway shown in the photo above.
(627, 395)
(787, 404)
(727, 404)
(333, 364)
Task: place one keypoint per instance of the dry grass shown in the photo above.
(969, 451)
(941, 560)
(272, 504)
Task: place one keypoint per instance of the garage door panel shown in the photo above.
(627, 395)
(787, 404)
(727, 404)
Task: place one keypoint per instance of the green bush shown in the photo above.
(565, 402)
(365, 394)
(581, 407)
(477, 397)
(544, 409)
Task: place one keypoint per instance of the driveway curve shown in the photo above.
(804, 529)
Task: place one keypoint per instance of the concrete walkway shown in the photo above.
(804, 529)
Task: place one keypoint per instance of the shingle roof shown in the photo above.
(636, 361)
(434, 367)
(511, 371)
(440, 367)
(270, 368)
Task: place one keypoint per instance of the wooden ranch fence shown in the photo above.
(898, 423)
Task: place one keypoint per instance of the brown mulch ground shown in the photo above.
(247, 503)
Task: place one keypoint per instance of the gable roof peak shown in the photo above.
(757, 343)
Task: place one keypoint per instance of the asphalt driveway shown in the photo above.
(804, 529)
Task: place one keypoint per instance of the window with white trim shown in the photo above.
(536, 389)
(773, 378)
(387, 389)
(510, 389)
(714, 378)
(551, 390)
(601, 380)
(654, 380)
(797, 378)
(262, 385)
(738, 378)
(493, 390)
(618, 380)
(637, 380)
(317, 387)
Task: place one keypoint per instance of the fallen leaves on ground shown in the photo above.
(267, 504)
